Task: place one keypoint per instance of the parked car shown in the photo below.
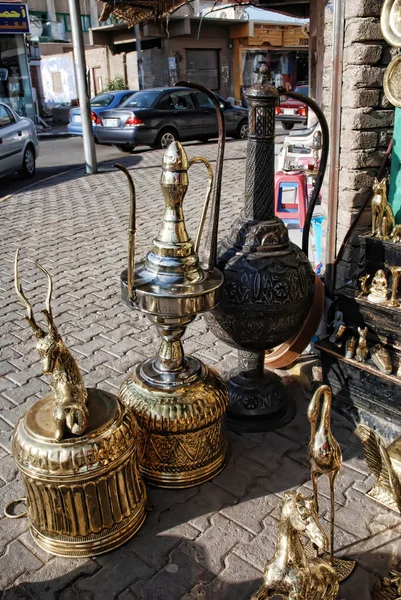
(293, 111)
(19, 145)
(104, 101)
(158, 116)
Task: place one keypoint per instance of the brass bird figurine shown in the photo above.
(385, 464)
(324, 450)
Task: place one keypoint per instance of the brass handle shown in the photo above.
(131, 232)
(200, 159)
(9, 514)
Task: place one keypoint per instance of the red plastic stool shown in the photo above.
(291, 212)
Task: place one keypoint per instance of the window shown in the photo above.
(182, 100)
(65, 19)
(204, 101)
(141, 100)
(5, 117)
(42, 16)
(123, 99)
(56, 83)
(86, 23)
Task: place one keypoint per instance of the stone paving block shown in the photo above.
(171, 583)
(8, 468)
(271, 448)
(239, 476)
(57, 575)
(209, 500)
(211, 547)
(252, 509)
(27, 540)
(262, 547)
(377, 553)
(18, 395)
(118, 569)
(11, 491)
(345, 480)
(15, 561)
(237, 581)
(13, 413)
(11, 529)
(367, 511)
(287, 475)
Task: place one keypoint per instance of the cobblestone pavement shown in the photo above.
(209, 542)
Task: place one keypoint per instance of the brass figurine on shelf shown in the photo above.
(365, 289)
(385, 464)
(326, 459)
(350, 348)
(379, 288)
(362, 350)
(396, 234)
(77, 450)
(388, 587)
(395, 279)
(291, 573)
(382, 359)
(383, 221)
(179, 402)
(339, 329)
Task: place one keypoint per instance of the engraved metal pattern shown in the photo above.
(388, 587)
(184, 439)
(86, 497)
(385, 467)
(291, 573)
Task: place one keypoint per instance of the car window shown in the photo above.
(141, 99)
(102, 100)
(302, 89)
(204, 101)
(182, 100)
(123, 98)
(6, 117)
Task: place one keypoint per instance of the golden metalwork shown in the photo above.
(379, 288)
(395, 278)
(339, 329)
(365, 289)
(84, 491)
(392, 81)
(291, 573)
(324, 451)
(326, 459)
(383, 221)
(350, 348)
(385, 464)
(68, 388)
(179, 403)
(388, 587)
(362, 351)
(390, 22)
(382, 359)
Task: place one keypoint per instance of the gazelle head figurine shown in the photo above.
(57, 361)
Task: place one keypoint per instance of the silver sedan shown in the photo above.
(19, 146)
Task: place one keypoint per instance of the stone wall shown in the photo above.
(366, 119)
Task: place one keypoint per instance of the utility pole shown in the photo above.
(141, 78)
(84, 102)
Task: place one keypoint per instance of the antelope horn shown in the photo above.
(18, 288)
(49, 293)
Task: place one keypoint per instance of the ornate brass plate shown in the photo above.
(392, 81)
(390, 22)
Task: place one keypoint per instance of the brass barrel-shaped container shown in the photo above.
(85, 495)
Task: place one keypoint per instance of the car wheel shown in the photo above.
(242, 131)
(125, 147)
(165, 137)
(28, 163)
(288, 126)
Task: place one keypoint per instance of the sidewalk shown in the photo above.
(54, 131)
(209, 542)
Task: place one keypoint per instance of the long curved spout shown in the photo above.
(131, 231)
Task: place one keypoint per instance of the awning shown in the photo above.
(138, 11)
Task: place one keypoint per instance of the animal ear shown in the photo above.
(51, 325)
(383, 181)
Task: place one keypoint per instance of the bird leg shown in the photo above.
(332, 477)
(314, 477)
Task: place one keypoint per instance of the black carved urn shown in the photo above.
(268, 281)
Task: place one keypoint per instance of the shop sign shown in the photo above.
(14, 18)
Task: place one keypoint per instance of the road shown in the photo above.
(62, 154)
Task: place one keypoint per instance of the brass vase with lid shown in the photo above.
(268, 281)
(179, 402)
(77, 450)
